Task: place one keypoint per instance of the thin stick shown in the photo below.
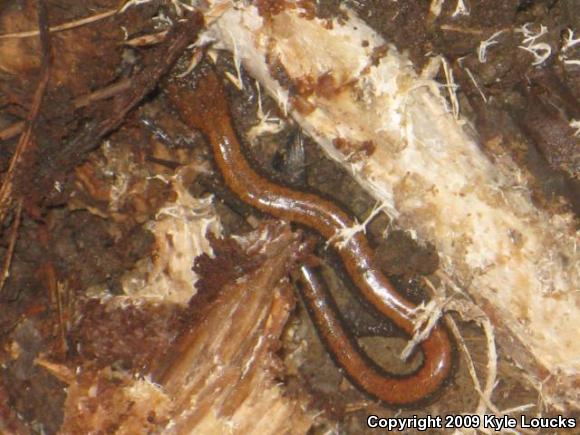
(103, 93)
(61, 27)
(12, 130)
(141, 41)
(11, 245)
(62, 327)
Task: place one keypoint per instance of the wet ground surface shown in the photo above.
(70, 233)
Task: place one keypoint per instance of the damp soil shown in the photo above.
(72, 240)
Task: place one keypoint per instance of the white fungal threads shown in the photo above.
(131, 3)
(237, 79)
(540, 50)
(575, 124)
(569, 43)
(529, 36)
(342, 237)
(426, 318)
(267, 124)
(484, 45)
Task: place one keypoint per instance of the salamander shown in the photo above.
(208, 111)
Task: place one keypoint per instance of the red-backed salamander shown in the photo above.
(208, 111)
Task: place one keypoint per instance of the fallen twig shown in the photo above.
(61, 27)
(11, 245)
(145, 40)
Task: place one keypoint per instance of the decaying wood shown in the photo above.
(363, 103)
(219, 375)
(141, 85)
